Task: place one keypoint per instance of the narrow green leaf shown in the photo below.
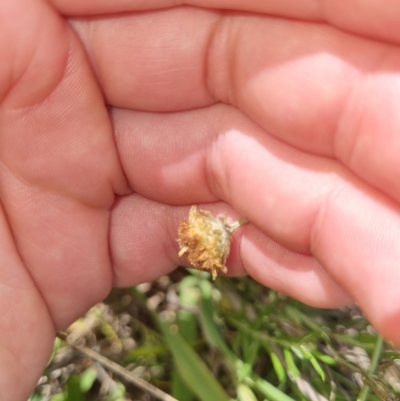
(243, 370)
(268, 390)
(193, 370)
(309, 356)
(135, 353)
(294, 372)
(374, 363)
(189, 292)
(187, 325)
(117, 393)
(74, 392)
(325, 358)
(209, 327)
(245, 393)
(87, 379)
(298, 351)
(179, 389)
(189, 295)
(58, 343)
(250, 349)
(278, 367)
(318, 368)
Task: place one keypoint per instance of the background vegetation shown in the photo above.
(186, 338)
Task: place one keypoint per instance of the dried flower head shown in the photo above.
(206, 240)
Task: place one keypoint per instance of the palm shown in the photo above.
(292, 124)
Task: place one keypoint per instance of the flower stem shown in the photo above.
(234, 226)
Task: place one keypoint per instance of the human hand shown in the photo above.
(286, 121)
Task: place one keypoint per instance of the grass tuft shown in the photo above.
(185, 338)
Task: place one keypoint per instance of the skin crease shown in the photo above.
(114, 119)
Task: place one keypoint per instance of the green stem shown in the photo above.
(374, 362)
(234, 226)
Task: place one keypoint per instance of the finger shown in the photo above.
(176, 59)
(369, 19)
(144, 246)
(306, 203)
(27, 331)
(298, 275)
(58, 164)
(217, 153)
(158, 69)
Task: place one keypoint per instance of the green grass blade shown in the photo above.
(211, 332)
(268, 390)
(193, 370)
(374, 363)
(292, 368)
(179, 389)
(145, 351)
(318, 368)
(278, 367)
(74, 392)
(88, 377)
(306, 354)
(245, 393)
(187, 325)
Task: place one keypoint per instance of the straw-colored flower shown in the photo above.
(206, 240)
